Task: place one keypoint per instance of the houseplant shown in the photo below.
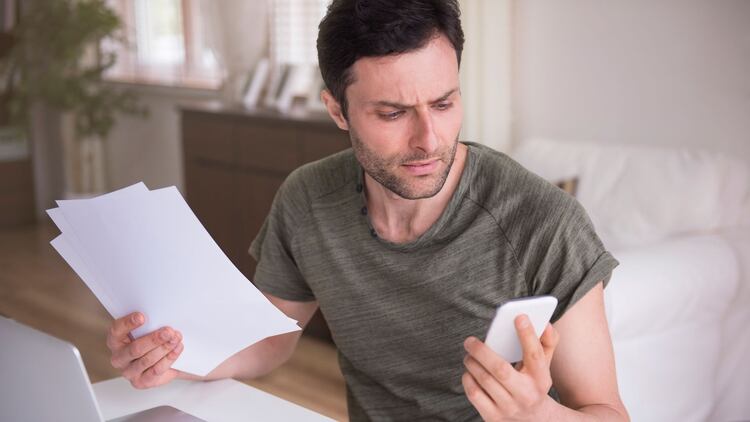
(54, 62)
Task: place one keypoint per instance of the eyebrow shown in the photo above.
(399, 105)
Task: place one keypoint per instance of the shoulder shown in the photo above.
(318, 179)
(509, 191)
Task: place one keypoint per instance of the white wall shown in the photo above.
(668, 72)
(150, 149)
(486, 72)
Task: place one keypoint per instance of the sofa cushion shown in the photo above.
(682, 280)
(637, 194)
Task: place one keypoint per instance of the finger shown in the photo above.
(500, 368)
(165, 364)
(140, 347)
(534, 359)
(489, 384)
(137, 367)
(479, 398)
(550, 339)
(121, 327)
(162, 372)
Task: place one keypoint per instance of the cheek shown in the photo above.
(450, 124)
(386, 139)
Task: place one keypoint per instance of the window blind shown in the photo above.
(294, 30)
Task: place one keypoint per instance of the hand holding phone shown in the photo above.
(502, 336)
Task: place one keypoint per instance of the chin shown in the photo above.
(421, 189)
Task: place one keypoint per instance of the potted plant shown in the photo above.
(53, 62)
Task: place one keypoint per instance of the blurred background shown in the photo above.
(640, 108)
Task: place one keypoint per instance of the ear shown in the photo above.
(334, 109)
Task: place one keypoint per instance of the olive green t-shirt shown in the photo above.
(399, 313)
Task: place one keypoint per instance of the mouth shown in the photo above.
(420, 168)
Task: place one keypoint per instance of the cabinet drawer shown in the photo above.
(273, 148)
(208, 137)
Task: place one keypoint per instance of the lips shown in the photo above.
(421, 168)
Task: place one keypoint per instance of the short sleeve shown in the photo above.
(557, 247)
(277, 272)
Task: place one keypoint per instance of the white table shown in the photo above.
(223, 400)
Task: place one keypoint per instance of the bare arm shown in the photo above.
(576, 353)
(268, 354)
(583, 367)
(147, 361)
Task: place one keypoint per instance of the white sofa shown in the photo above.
(678, 305)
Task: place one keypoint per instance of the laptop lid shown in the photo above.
(43, 378)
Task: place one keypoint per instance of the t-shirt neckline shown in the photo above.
(451, 208)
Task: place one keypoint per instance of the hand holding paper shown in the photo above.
(141, 250)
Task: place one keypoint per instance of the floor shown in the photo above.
(39, 289)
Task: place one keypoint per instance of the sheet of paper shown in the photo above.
(147, 251)
(69, 254)
(69, 247)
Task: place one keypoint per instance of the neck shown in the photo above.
(400, 220)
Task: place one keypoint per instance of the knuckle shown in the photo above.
(473, 393)
(466, 381)
(130, 373)
(135, 350)
(112, 333)
(144, 363)
(535, 354)
(158, 370)
(485, 378)
(470, 389)
(501, 370)
(156, 336)
(555, 334)
(114, 362)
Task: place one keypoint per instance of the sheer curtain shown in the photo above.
(486, 72)
(237, 33)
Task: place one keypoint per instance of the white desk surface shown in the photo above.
(223, 400)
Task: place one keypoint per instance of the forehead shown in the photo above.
(419, 75)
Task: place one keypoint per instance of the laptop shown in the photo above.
(43, 379)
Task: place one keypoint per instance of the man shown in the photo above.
(410, 240)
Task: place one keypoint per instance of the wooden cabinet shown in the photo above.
(235, 160)
(16, 193)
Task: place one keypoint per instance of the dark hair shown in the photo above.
(352, 29)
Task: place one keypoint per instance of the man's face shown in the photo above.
(405, 113)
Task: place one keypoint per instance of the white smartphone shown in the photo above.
(502, 336)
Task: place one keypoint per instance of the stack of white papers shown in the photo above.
(141, 250)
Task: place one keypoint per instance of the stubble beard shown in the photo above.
(379, 168)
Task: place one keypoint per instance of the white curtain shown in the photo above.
(237, 33)
(486, 72)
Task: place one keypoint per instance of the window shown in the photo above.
(166, 45)
(294, 30)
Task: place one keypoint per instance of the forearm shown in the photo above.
(593, 413)
(254, 361)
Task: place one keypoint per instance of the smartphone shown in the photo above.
(502, 336)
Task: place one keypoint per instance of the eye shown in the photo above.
(443, 106)
(392, 115)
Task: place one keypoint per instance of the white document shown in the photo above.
(141, 250)
(69, 247)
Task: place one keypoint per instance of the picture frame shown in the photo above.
(295, 92)
(277, 79)
(256, 82)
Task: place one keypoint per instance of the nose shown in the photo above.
(424, 137)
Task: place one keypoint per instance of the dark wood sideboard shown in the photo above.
(234, 162)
